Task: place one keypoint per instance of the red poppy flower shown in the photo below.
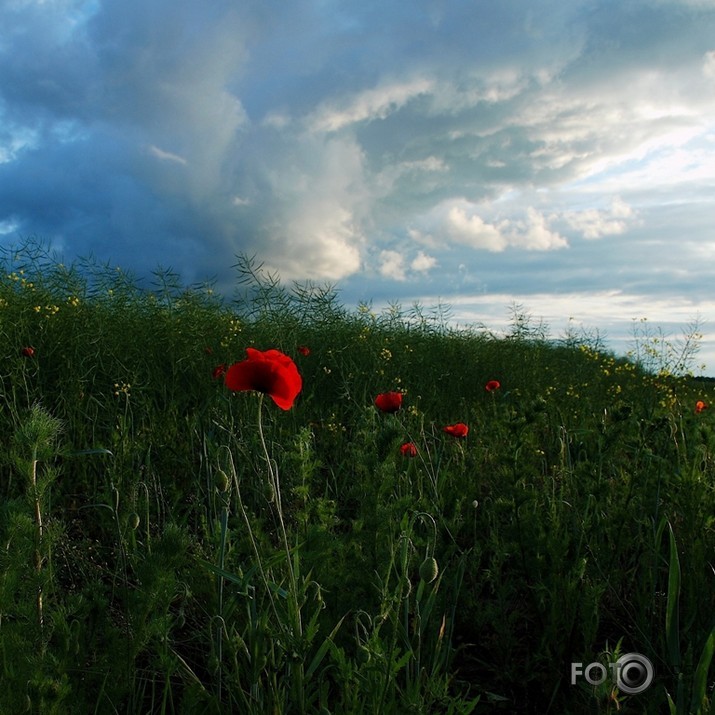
(388, 401)
(218, 371)
(27, 352)
(700, 406)
(492, 385)
(458, 430)
(303, 350)
(408, 449)
(271, 372)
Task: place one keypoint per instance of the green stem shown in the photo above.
(254, 545)
(273, 475)
(38, 549)
(293, 590)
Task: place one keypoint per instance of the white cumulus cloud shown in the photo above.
(423, 263)
(473, 231)
(392, 265)
(532, 233)
(596, 223)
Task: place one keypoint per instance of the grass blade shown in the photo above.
(672, 625)
(318, 657)
(701, 673)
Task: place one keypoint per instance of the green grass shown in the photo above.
(144, 566)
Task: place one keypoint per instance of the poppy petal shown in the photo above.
(285, 388)
(388, 401)
(270, 372)
(409, 449)
(458, 430)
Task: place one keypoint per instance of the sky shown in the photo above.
(555, 155)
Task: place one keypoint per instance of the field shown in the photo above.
(171, 545)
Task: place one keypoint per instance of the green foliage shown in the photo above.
(171, 547)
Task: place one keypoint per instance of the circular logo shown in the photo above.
(634, 673)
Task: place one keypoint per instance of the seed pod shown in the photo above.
(270, 492)
(222, 481)
(407, 585)
(429, 569)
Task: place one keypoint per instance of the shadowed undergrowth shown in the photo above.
(158, 558)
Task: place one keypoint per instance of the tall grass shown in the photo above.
(171, 547)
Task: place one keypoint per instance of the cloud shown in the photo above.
(423, 263)
(463, 225)
(709, 64)
(7, 227)
(418, 175)
(367, 105)
(533, 234)
(472, 231)
(392, 265)
(314, 191)
(596, 223)
(166, 155)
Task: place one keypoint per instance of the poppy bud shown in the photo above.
(270, 492)
(222, 481)
(134, 521)
(429, 569)
(407, 585)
